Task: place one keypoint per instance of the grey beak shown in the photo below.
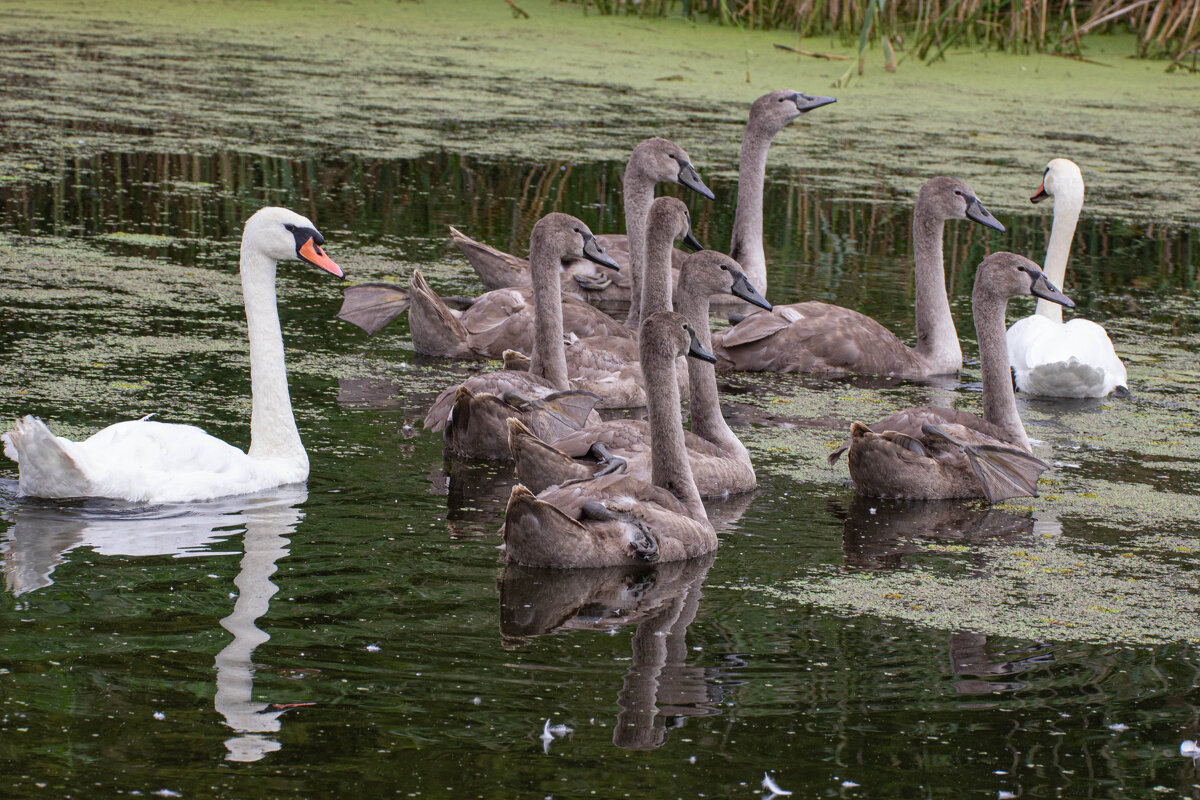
(691, 179)
(807, 102)
(592, 251)
(1043, 288)
(977, 213)
(691, 241)
(745, 290)
(697, 350)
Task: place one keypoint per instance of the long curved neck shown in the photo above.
(746, 244)
(639, 194)
(937, 340)
(1058, 251)
(705, 405)
(273, 432)
(670, 468)
(549, 359)
(999, 402)
(656, 280)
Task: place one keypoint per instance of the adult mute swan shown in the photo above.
(142, 461)
(1050, 357)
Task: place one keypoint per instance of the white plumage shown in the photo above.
(1057, 359)
(1050, 357)
(144, 461)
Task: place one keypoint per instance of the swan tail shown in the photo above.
(516, 361)
(370, 306)
(435, 329)
(1071, 378)
(538, 464)
(1004, 471)
(857, 431)
(46, 468)
(497, 269)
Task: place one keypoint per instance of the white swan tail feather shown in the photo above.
(47, 469)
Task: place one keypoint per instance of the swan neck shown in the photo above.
(937, 340)
(705, 404)
(670, 468)
(549, 359)
(999, 401)
(656, 278)
(273, 432)
(746, 246)
(1058, 250)
(639, 194)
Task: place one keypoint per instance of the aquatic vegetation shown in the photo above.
(1060, 588)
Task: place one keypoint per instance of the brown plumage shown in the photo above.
(472, 416)
(719, 462)
(931, 453)
(818, 337)
(653, 161)
(616, 519)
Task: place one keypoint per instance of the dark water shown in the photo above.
(361, 635)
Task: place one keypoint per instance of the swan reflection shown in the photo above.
(879, 534)
(43, 533)
(659, 691)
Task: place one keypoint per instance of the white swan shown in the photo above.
(1050, 357)
(155, 462)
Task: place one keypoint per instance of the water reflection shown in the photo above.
(820, 245)
(984, 667)
(41, 535)
(660, 691)
(880, 534)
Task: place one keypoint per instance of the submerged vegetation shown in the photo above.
(1164, 28)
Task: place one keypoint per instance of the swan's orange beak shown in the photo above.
(1041, 194)
(311, 252)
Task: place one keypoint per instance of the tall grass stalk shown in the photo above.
(1167, 29)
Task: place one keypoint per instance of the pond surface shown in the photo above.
(362, 634)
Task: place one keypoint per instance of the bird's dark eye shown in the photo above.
(725, 266)
(289, 227)
(958, 192)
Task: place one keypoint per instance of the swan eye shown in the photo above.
(958, 192)
(289, 227)
(725, 267)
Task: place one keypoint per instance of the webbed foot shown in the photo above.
(610, 463)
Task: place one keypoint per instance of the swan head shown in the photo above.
(950, 198)
(1062, 180)
(280, 235)
(668, 335)
(710, 272)
(569, 240)
(775, 110)
(660, 160)
(1003, 275)
(670, 214)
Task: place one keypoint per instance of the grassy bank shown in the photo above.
(379, 78)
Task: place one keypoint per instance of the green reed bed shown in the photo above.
(1167, 29)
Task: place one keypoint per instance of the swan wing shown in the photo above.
(818, 337)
